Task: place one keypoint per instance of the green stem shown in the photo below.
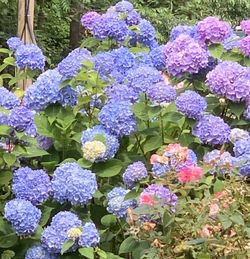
(140, 146)
(162, 128)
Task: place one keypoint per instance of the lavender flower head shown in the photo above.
(8, 99)
(73, 184)
(211, 130)
(231, 42)
(242, 147)
(244, 46)
(185, 55)
(39, 252)
(191, 104)
(124, 6)
(182, 29)
(245, 26)
(29, 56)
(88, 18)
(67, 96)
(212, 30)
(13, 43)
(23, 216)
(237, 134)
(246, 113)
(90, 236)
(134, 173)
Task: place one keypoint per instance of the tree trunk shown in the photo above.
(74, 38)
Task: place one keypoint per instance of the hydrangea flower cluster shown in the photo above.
(134, 173)
(182, 29)
(88, 18)
(39, 252)
(191, 173)
(104, 63)
(8, 100)
(23, 216)
(231, 42)
(44, 142)
(237, 134)
(116, 203)
(73, 184)
(211, 130)
(90, 236)
(118, 118)
(245, 26)
(158, 58)
(212, 30)
(229, 79)
(147, 33)
(185, 55)
(191, 104)
(241, 147)
(133, 18)
(161, 93)
(124, 6)
(244, 46)
(243, 164)
(31, 185)
(110, 143)
(29, 56)
(13, 43)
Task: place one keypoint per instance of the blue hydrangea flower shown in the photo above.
(39, 252)
(185, 55)
(242, 147)
(29, 56)
(124, 6)
(21, 118)
(88, 18)
(4, 119)
(243, 164)
(237, 134)
(116, 203)
(100, 28)
(121, 92)
(201, 75)
(211, 130)
(133, 18)
(67, 96)
(229, 79)
(117, 29)
(44, 91)
(23, 216)
(90, 236)
(161, 93)
(58, 232)
(111, 142)
(158, 58)
(144, 59)
(146, 32)
(44, 142)
(8, 100)
(182, 29)
(231, 42)
(31, 130)
(70, 65)
(118, 118)
(73, 184)
(141, 78)
(134, 173)
(13, 43)
(160, 170)
(191, 104)
(104, 63)
(31, 185)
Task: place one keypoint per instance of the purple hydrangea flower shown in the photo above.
(133, 18)
(246, 113)
(73, 184)
(229, 79)
(211, 130)
(4, 119)
(161, 93)
(244, 46)
(90, 236)
(110, 141)
(39, 252)
(118, 118)
(116, 203)
(212, 30)
(191, 104)
(158, 58)
(88, 18)
(245, 26)
(44, 142)
(29, 56)
(8, 99)
(182, 29)
(31, 185)
(185, 55)
(13, 43)
(134, 173)
(201, 75)
(242, 147)
(237, 134)
(23, 216)
(124, 6)
(58, 232)
(231, 42)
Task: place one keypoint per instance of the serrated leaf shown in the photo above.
(66, 246)
(5, 177)
(88, 252)
(237, 109)
(9, 158)
(237, 219)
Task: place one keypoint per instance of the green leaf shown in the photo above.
(128, 245)
(152, 143)
(9, 158)
(218, 185)
(225, 221)
(84, 163)
(196, 241)
(246, 61)
(100, 138)
(66, 246)
(4, 130)
(88, 252)
(237, 109)
(9, 61)
(108, 169)
(5, 177)
(46, 212)
(113, 256)
(216, 50)
(102, 254)
(5, 51)
(8, 240)
(35, 152)
(140, 111)
(109, 220)
(237, 219)
(232, 56)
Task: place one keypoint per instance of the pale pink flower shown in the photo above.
(205, 232)
(213, 210)
(190, 173)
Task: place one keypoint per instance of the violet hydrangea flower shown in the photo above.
(88, 18)
(132, 18)
(182, 29)
(242, 147)
(158, 58)
(124, 6)
(244, 46)
(245, 26)
(237, 134)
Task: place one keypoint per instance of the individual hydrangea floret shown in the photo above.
(124, 6)
(31, 185)
(158, 58)
(144, 59)
(244, 46)
(23, 216)
(63, 227)
(29, 56)
(21, 118)
(242, 147)
(90, 236)
(116, 203)
(88, 18)
(8, 99)
(211, 130)
(44, 142)
(73, 184)
(185, 55)
(237, 134)
(229, 79)
(44, 91)
(161, 93)
(134, 173)
(118, 118)
(133, 18)
(14, 42)
(212, 30)
(70, 65)
(182, 29)
(191, 104)
(245, 26)
(39, 252)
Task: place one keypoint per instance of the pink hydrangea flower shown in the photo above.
(147, 199)
(213, 210)
(190, 173)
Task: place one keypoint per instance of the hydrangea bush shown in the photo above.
(128, 148)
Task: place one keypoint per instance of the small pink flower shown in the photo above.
(154, 159)
(147, 199)
(205, 232)
(190, 173)
(213, 210)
